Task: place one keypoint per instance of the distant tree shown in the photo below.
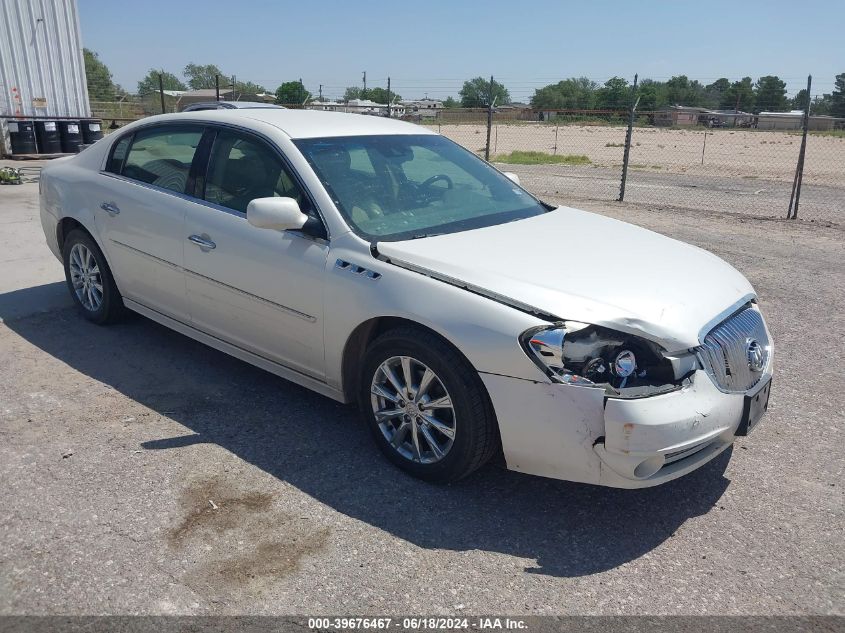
(652, 95)
(247, 87)
(799, 101)
(572, 93)
(476, 93)
(352, 92)
(379, 95)
(614, 95)
(291, 92)
(200, 76)
(680, 90)
(713, 93)
(149, 83)
(450, 102)
(99, 78)
(837, 97)
(822, 104)
(739, 96)
(771, 95)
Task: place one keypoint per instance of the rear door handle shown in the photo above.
(110, 208)
(202, 242)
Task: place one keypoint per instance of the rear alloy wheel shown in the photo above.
(426, 406)
(89, 279)
(85, 277)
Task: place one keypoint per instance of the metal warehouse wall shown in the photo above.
(41, 59)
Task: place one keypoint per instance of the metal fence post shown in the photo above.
(161, 92)
(628, 135)
(792, 212)
(489, 120)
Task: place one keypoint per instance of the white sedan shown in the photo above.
(379, 263)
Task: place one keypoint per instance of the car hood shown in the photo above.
(576, 265)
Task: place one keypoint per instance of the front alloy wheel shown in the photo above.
(426, 405)
(413, 409)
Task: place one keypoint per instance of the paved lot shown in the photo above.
(113, 442)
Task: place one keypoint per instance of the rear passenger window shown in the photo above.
(243, 168)
(118, 154)
(163, 156)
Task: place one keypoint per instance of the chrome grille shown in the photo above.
(725, 353)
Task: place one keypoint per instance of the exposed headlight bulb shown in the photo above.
(625, 363)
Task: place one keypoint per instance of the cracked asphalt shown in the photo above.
(143, 473)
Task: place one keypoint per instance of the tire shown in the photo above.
(91, 285)
(470, 418)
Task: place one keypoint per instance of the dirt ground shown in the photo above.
(143, 473)
(741, 171)
(736, 153)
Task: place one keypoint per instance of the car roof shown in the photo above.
(214, 105)
(299, 124)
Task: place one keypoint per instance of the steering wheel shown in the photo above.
(430, 181)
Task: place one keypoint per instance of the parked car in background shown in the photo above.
(229, 105)
(377, 262)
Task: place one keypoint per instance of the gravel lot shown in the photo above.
(116, 440)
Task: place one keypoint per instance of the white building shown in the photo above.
(42, 71)
(426, 108)
(794, 120)
(358, 106)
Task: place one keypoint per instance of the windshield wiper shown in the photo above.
(419, 236)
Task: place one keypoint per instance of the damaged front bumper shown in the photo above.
(576, 433)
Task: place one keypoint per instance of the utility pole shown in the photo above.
(321, 92)
(388, 97)
(364, 91)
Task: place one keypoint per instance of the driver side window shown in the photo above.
(242, 169)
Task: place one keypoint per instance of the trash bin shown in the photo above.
(47, 135)
(92, 130)
(70, 135)
(22, 137)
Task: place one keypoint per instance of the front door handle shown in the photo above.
(202, 242)
(110, 208)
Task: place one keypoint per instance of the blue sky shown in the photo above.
(431, 46)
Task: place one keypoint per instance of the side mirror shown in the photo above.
(511, 176)
(280, 214)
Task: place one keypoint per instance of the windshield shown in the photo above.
(397, 187)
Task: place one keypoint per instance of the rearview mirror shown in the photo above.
(512, 176)
(281, 214)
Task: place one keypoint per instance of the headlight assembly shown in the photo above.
(590, 355)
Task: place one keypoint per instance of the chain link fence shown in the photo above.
(677, 157)
(579, 156)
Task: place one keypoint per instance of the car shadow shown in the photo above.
(323, 449)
